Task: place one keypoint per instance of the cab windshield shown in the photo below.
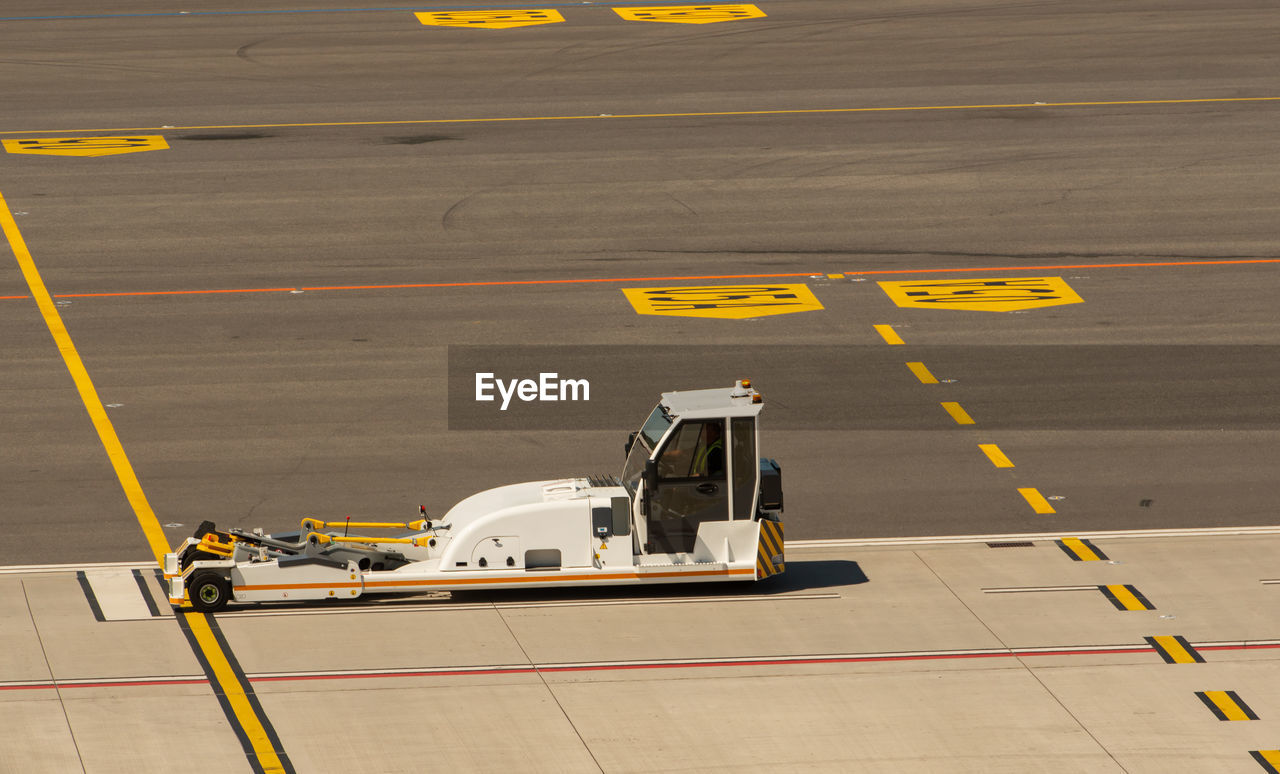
(646, 441)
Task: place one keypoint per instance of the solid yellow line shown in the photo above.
(996, 456)
(88, 395)
(889, 335)
(603, 117)
(958, 414)
(1175, 650)
(1228, 707)
(1078, 547)
(1126, 597)
(922, 373)
(234, 692)
(835, 276)
(1036, 500)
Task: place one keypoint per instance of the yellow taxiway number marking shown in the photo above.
(1175, 649)
(490, 20)
(88, 395)
(732, 302)
(230, 687)
(922, 373)
(1226, 705)
(1036, 500)
(958, 414)
(889, 335)
(86, 146)
(996, 456)
(1007, 294)
(690, 14)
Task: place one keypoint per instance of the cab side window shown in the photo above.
(695, 451)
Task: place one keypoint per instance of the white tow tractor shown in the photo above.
(694, 503)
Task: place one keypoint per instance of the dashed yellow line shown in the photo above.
(889, 335)
(1226, 705)
(1036, 500)
(922, 373)
(996, 456)
(1126, 597)
(1081, 550)
(957, 413)
(1175, 649)
(1268, 759)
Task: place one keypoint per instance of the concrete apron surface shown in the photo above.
(1147, 654)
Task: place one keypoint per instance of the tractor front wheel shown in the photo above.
(209, 591)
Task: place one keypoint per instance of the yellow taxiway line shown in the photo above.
(691, 114)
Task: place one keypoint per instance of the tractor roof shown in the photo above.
(740, 400)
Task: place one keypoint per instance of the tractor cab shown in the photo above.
(694, 462)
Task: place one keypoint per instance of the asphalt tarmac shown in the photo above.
(379, 197)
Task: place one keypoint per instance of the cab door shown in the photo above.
(691, 486)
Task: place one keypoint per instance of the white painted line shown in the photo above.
(26, 569)
(118, 595)
(1018, 589)
(1045, 536)
(445, 606)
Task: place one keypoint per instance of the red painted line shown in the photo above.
(582, 281)
(463, 672)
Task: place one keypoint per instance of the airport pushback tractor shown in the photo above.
(695, 503)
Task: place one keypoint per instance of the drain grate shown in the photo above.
(1012, 544)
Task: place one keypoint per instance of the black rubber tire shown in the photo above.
(209, 591)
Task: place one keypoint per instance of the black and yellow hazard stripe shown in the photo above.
(261, 745)
(1175, 649)
(1126, 597)
(1226, 705)
(1081, 550)
(1268, 759)
(770, 559)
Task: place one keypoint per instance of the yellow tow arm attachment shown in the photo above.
(309, 524)
(321, 538)
(210, 543)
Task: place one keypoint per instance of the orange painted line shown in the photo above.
(583, 281)
(278, 586)
(558, 579)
